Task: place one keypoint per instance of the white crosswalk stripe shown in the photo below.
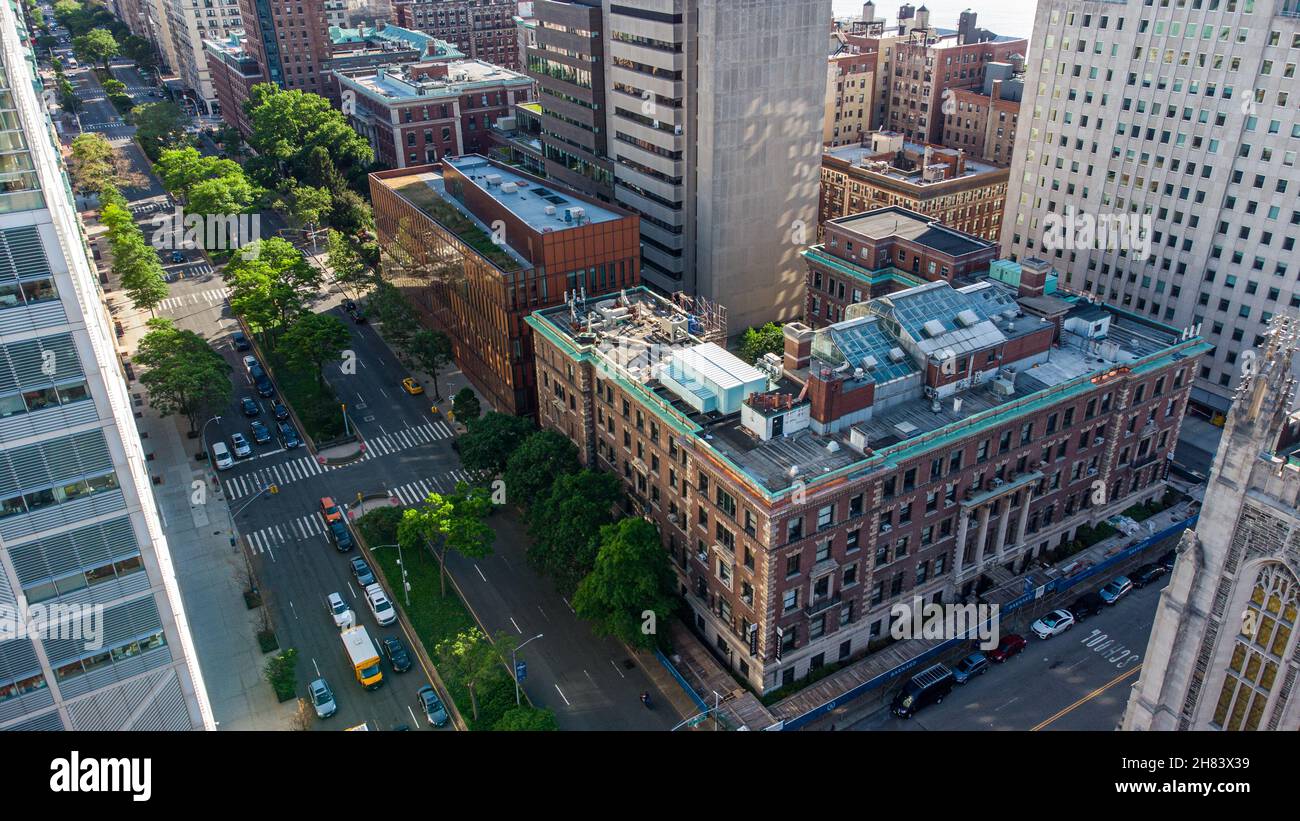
(300, 529)
(414, 492)
(211, 296)
(407, 438)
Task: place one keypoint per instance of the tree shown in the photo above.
(757, 341)
(629, 593)
(466, 405)
(96, 46)
(308, 205)
(135, 262)
(564, 525)
(232, 194)
(183, 374)
(288, 125)
(527, 719)
(344, 261)
(314, 340)
(140, 51)
(269, 284)
(471, 659)
(536, 463)
(94, 163)
(431, 350)
(490, 441)
(451, 522)
(159, 126)
(68, 98)
(181, 169)
(394, 314)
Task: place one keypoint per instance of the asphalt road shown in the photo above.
(1079, 680)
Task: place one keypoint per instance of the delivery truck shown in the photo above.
(365, 659)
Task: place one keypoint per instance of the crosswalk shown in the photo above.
(407, 438)
(310, 526)
(303, 467)
(150, 207)
(102, 126)
(212, 296)
(190, 270)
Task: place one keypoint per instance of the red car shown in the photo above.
(1011, 644)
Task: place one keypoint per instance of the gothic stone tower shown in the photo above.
(1223, 652)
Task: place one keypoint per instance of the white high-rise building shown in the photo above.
(1156, 164)
(92, 630)
(192, 22)
(714, 121)
(1223, 652)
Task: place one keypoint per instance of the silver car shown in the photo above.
(322, 698)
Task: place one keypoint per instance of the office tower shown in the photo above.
(714, 119)
(291, 43)
(190, 23)
(84, 566)
(1222, 654)
(1172, 128)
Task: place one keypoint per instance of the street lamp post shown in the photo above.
(406, 586)
(204, 439)
(514, 669)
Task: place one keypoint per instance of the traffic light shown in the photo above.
(274, 489)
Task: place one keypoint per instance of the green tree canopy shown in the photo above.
(96, 46)
(135, 262)
(466, 406)
(287, 125)
(95, 163)
(527, 719)
(490, 441)
(564, 525)
(536, 463)
(472, 659)
(758, 341)
(345, 261)
(181, 169)
(431, 351)
(313, 340)
(629, 593)
(390, 309)
(183, 374)
(454, 521)
(159, 126)
(269, 284)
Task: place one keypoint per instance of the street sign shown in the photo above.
(521, 671)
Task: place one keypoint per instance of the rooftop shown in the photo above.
(861, 156)
(900, 222)
(541, 208)
(397, 83)
(426, 191)
(430, 47)
(635, 337)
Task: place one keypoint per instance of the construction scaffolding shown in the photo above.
(710, 316)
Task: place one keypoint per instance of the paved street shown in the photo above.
(1079, 680)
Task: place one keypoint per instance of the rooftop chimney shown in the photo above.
(798, 345)
(1033, 276)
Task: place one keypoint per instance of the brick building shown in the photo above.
(850, 97)
(983, 122)
(483, 29)
(945, 184)
(417, 113)
(233, 72)
(476, 246)
(937, 441)
(290, 42)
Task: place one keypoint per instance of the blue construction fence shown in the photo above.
(1030, 595)
(690, 691)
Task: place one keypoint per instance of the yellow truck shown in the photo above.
(365, 660)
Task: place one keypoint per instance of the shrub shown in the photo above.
(281, 672)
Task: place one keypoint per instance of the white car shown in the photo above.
(242, 448)
(249, 362)
(1053, 624)
(383, 609)
(322, 698)
(343, 615)
(221, 455)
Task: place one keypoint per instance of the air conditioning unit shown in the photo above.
(1099, 440)
(998, 482)
(886, 527)
(1092, 471)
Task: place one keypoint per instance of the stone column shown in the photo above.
(1000, 542)
(963, 530)
(982, 534)
(1024, 515)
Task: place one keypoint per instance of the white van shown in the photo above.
(221, 455)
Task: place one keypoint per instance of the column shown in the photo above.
(981, 536)
(1024, 515)
(1000, 542)
(959, 555)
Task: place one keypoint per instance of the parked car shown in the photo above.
(412, 387)
(250, 406)
(343, 615)
(1116, 589)
(396, 653)
(1089, 604)
(322, 698)
(280, 412)
(341, 536)
(330, 510)
(923, 689)
(433, 709)
(240, 341)
(357, 317)
(290, 435)
(1167, 561)
(242, 449)
(250, 362)
(178, 257)
(1148, 573)
(968, 668)
(264, 387)
(362, 571)
(221, 456)
(261, 433)
(380, 606)
(1010, 645)
(1053, 624)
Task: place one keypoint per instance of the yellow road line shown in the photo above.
(1086, 698)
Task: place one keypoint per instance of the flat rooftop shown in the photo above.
(396, 83)
(899, 222)
(855, 154)
(530, 201)
(427, 191)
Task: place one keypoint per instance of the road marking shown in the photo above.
(413, 718)
(1086, 698)
(563, 696)
(512, 619)
(616, 670)
(381, 430)
(543, 612)
(484, 578)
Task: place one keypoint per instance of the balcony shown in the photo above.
(823, 604)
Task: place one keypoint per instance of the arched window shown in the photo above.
(1264, 642)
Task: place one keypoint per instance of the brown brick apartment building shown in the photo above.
(483, 29)
(437, 225)
(234, 72)
(933, 443)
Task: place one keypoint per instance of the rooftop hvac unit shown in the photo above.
(509, 188)
(967, 318)
(933, 328)
(493, 179)
(896, 355)
(833, 446)
(868, 362)
(574, 214)
(550, 210)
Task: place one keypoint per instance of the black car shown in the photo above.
(250, 407)
(357, 317)
(240, 341)
(362, 571)
(1167, 561)
(1148, 573)
(396, 654)
(924, 688)
(290, 435)
(261, 434)
(1089, 604)
(342, 536)
(280, 411)
(264, 387)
